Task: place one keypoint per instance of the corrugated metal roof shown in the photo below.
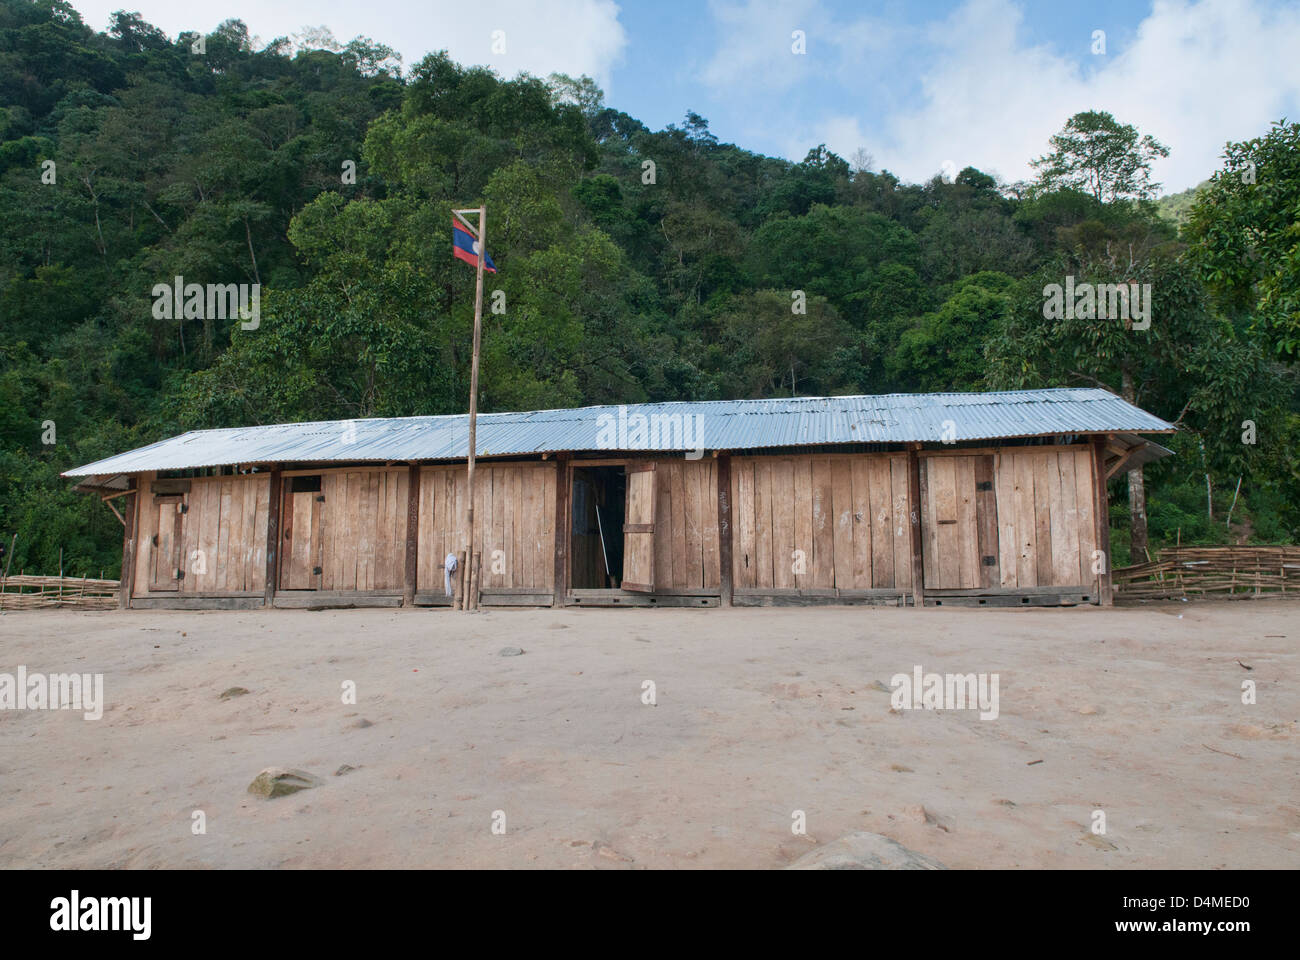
(710, 425)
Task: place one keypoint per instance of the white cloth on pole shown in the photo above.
(448, 566)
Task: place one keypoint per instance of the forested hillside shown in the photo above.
(635, 265)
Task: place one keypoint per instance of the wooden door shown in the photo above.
(950, 533)
(639, 529)
(165, 569)
(303, 518)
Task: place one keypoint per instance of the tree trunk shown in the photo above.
(1137, 503)
(1137, 492)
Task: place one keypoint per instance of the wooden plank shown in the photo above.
(1042, 518)
(710, 576)
(762, 560)
(905, 519)
(382, 561)
(544, 564)
(723, 480)
(1004, 486)
(496, 544)
(664, 511)
(258, 581)
(882, 522)
(803, 520)
(675, 476)
(274, 498)
(929, 528)
(1101, 521)
(216, 561)
(233, 559)
(146, 527)
(411, 565)
(693, 472)
(428, 541)
(131, 509)
(560, 533)
(914, 520)
(841, 515)
(1026, 525)
(860, 510)
(529, 526)
(521, 536)
(746, 557)
(986, 523)
(942, 481)
(1060, 494)
(968, 559)
(823, 523)
(1085, 525)
(783, 524)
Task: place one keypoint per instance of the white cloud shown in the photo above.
(971, 89)
(1194, 76)
(568, 36)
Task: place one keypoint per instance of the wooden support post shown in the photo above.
(126, 585)
(1101, 516)
(563, 487)
(914, 517)
(273, 537)
(724, 530)
(412, 535)
(458, 602)
(476, 576)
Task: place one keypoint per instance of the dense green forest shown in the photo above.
(635, 265)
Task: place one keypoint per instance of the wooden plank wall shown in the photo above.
(226, 519)
(686, 525)
(514, 512)
(1046, 531)
(363, 529)
(846, 513)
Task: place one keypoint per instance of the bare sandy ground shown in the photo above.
(1136, 712)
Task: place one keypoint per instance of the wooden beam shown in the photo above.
(1101, 517)
(563, 481)
(412, 535)
(120, 518)
(1121, 462)
(914, 516)
(724, 530)
(273, 536)
(127, 586)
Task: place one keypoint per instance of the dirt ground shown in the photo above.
(760, 713)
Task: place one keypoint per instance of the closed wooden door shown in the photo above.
(639, 529)
(950, 534)
(165, 570)
(304, 514)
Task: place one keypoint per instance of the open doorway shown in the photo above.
(598, 505)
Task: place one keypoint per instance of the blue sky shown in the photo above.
(921, 85)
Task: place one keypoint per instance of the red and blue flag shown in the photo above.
(463, 245)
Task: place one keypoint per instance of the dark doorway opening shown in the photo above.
(598, 506)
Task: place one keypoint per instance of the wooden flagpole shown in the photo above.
(471, 602)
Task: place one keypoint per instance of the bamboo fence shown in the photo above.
(24, 592)
(1240, 571)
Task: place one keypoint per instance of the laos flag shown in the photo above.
(463, 245)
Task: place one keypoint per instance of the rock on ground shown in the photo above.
(865, 851)
(276, 782)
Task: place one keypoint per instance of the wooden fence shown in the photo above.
(1234, 571)
(26, 592)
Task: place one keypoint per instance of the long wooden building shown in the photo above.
(990, 498)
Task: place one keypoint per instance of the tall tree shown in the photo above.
(1098, 155)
